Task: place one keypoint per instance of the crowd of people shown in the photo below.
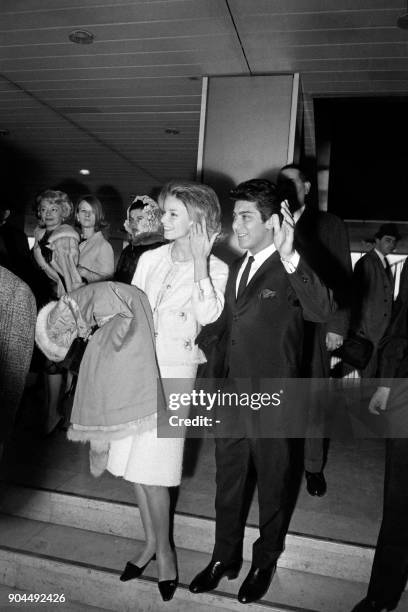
(279, 312)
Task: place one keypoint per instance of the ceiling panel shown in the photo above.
(313, 6)
(106, 48)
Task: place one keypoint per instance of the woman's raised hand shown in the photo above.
(200, 243)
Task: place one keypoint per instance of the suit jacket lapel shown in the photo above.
(267, 264)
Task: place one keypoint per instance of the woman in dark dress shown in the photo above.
(144, 228)
(52, 208)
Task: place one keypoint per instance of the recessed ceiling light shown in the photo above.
(81, 37)
(402, 22)
(172, 131)
(84, 172)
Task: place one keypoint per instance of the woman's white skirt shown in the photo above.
(143, 457)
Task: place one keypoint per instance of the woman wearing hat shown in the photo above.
(145, 232)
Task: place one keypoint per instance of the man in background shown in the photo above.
(390, 565)
(373, 292)
(322, 240)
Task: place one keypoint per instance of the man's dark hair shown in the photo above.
(388, 229)
(302, 172)
(261, 192)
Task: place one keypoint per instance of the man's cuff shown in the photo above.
(292, 263)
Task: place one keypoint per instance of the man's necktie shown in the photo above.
(388, 270)
(244, 278)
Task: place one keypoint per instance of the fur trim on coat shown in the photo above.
(45, 341)
(80, 433)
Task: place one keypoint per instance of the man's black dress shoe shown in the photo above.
(316, 483)
(167, 588)
(208, 579)
(256, 584)
(370, 605)
(134, 571)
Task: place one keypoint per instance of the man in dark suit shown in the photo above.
(270, 292)
(373, 292)
(322, 240)
(390, 566)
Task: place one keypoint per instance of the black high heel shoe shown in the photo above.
(167, 588)
(134, 571)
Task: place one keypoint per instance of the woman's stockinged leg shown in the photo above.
(158, 500)
(54, 383)
(149, 548)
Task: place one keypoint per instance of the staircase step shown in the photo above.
(303, 553)
(40, 557)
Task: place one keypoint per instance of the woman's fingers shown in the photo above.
(213, 239)
(199, 229)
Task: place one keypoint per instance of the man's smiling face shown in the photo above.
(252, 232)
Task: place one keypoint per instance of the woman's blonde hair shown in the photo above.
(200, 200)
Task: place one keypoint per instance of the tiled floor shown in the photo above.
(350, 511)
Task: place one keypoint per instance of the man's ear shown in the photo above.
(308, 186)
(268, 223)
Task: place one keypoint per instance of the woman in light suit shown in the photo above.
(185, 287)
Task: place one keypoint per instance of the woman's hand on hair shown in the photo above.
(200, 243)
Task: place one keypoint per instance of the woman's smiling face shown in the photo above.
(176, 220)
